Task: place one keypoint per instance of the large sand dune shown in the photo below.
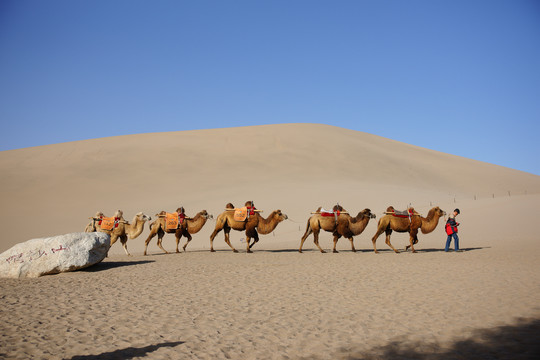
(275, 303)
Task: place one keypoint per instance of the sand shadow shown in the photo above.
(107, 265)
(451, 250)
(127, 353)
(518, 341)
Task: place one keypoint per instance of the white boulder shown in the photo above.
(54, 255)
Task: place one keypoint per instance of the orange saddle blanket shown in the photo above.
(240, 214)
(172, 221)
(108, 223)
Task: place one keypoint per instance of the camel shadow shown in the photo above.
(127, 353)
(107, 265)
(518, 341)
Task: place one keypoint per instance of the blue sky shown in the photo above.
(461, 77)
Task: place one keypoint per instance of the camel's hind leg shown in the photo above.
(212, 236)
(227, 230)
(147, 241)
(388, 233)
(380, 230)
(161, 234)
(336, 238)
(304, 237)
(316, 240)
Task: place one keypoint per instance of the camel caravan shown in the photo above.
(248, 219)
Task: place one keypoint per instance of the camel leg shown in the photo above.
(316, 240)
(414, 242)
(255, 240)
(178, 235)
(123, 240)
(352, 244)
(413, 238)
(212, 236)
(388, 233)
(161, 234)
(147, 241)
(227, 240)
(304, 237)
(374, 239)
(188, 238)
(336, 238)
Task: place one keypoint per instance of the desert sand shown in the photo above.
(276, 303)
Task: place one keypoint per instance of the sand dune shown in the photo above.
(275, 303)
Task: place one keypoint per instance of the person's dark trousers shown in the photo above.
(456, 242)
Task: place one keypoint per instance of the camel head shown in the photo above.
(437, 211)
(229, 206)
(367, 212)
(278, 215)
(206, 215)
(142, 217)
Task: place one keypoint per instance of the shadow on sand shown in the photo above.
(518, 341)
(107, 265)
(127, 353)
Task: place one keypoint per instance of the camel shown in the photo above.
(346, 226)
(389, 223)
(125, 229)
(352, 226)
(188, 227)
(253, 225)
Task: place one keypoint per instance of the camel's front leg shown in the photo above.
(413, 239)
(188, 237)
(178, 235)
(255, 240)
(351, 239)
(123, 240)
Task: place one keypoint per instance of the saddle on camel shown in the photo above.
(243, 213)
(335, 212)
(105, 223)
(401, 214)
(173, 221)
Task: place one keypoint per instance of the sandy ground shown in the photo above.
(276, 303)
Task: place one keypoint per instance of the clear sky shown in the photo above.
(457, 76)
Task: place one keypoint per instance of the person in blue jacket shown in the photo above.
(451, 231)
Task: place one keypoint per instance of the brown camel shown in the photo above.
(253, 225)
(125, 229)
(352, 226)
(389, 223)
(188, 227)
(349, 225)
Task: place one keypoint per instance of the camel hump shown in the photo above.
(229, 206)
(181, 210)
(338, 208)
(390, 209)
